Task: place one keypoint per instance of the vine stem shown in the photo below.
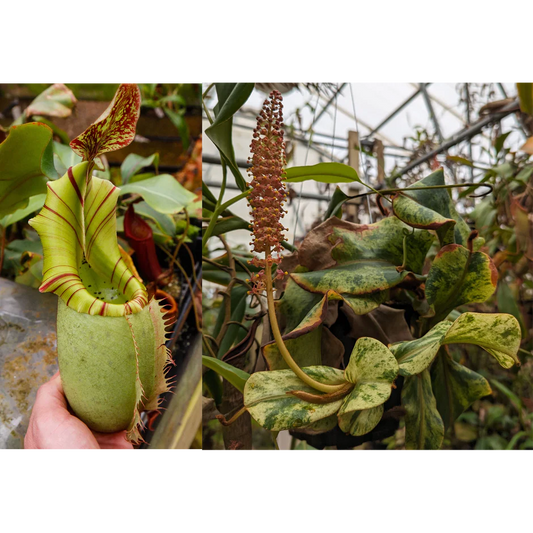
(415, 189)
(308, 380)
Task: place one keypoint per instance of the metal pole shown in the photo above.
(464, 134)
(431, 111)
(326, 105)
(394, 113)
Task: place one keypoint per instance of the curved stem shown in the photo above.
(426, 187)
(308, 380)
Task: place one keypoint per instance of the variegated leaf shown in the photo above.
(424, 429)
(415, 356)
(372, 369)
(497, 333)
(359, 423)
(368, 259)
(457, 277)
(267, 398)
(114, 128)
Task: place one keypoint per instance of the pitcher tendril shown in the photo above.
(267, 196)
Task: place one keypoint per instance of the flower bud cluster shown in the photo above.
(268, 192)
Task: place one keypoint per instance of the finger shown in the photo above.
(50, 396)
(108, 441)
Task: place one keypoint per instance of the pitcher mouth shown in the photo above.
(82, 261)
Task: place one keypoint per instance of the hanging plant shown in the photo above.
(357, 268)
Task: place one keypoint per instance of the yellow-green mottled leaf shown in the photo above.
(424, 429)
(357, 278)
(358, 423)
(368, 259)
(459, 277)
(373, 369)
(267, 401)
(415, 356)
(361, 305)
(497, 333)
(320, 426)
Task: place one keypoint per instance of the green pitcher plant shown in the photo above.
(110, 337)
(423, 250)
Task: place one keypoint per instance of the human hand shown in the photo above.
(52, 426)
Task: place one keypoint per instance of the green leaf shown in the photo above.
(525, 97)
(231, 97)
(134, 163)
(26, 164)
(457, 277)
(230, 223)
(238, 309)
(323, 172)
(235, 376)
(177, 118)
(455, 387)
(163, 221)
(56, 101)
(162, 193)
(507, 303)
(268, 402)
(114, 128)
(64, 158)
(460, 160)
(34, 203)
(424, 428)
(336, 203)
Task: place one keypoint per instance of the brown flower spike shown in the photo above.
(268, 192)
